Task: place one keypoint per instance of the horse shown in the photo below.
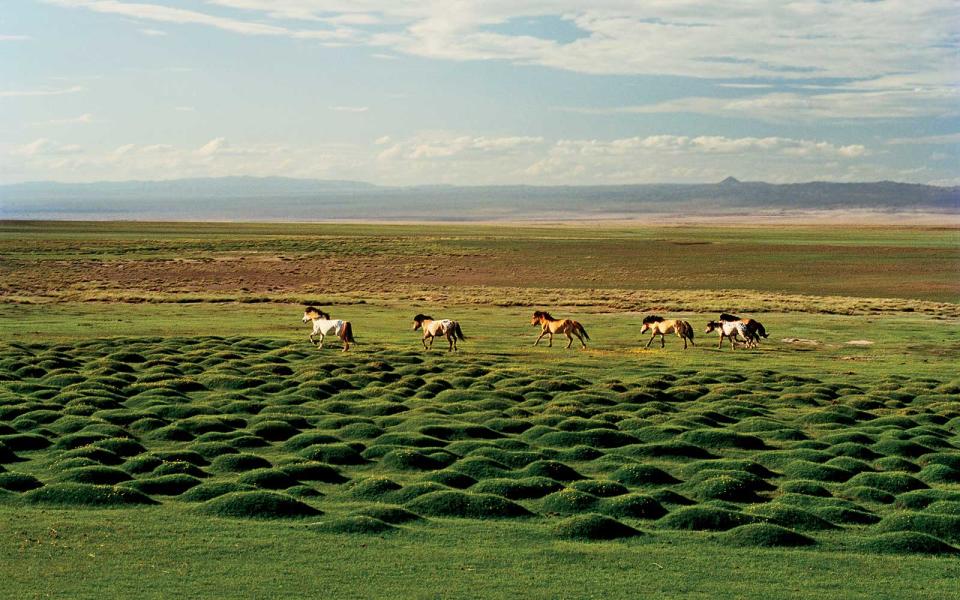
(323, 325)
(755, 329)
(661, 327)
(431, 329)
(729, 329)
(549, 326)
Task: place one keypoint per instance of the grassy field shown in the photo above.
(163, 434)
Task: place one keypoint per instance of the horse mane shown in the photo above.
(652, 319)
(543, 314)
(420, 318)
(318, 311)
(729, 317)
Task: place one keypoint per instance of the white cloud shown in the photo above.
(152, 32)
(44, 92)
(45, 147)
(78, 120)
(947, 138)
(350, 109)
(7, 37)
(184, 108)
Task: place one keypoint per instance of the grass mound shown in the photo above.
(212, 489)
(269, 479)
(96, 475)
(907, 542)
(891, 482)
(518, 489)
(313, 471)
(164, 485)
(356, 525)
(641, 475)
(18, 482)
(635, 506)
(722, 438)
(943, 526)
(236, 463)
(408, 459)
(569, 502)
(704, 518)
(394, 515)
(553, 470)
(462, 504)
(334, 454)
(257, 505)
(602, 489)
(82, 494)
(372, 488)
(791, 517)
(804, 469)
(764, 535)
(593, 527)
(725, 487)
(451, 479)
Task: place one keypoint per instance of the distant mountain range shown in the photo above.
(285, 199)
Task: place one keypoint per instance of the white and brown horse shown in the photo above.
(662, 327)
(323, 325)
(436, 328)
(549, 326)
(755, 329)
(729, 329)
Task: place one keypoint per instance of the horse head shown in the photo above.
(712, 326)
(419, 319)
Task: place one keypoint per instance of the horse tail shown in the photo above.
(348, 332)
(580, 328)
(458, 332)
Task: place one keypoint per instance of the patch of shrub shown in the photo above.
(257, 505)
(764, 535)
(462, 504)
(939, 473)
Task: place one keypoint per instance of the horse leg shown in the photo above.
(313, 341)
(450, 341)
(662, 343)
(652, 337)
(320, 345)
(732, 345)
(583, 344)
(550, 345)
(423, 341)
(540, 337)
(684, 342)
(346, 345)
(569, 339)
(720, 345)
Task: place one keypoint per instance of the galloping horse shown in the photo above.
(729, 329)
(661, 327)
(431, 329)
(323, 326)
(755, 329)
(550, 326)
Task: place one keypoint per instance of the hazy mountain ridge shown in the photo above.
(279, 198)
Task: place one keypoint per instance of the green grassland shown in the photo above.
(166, 448)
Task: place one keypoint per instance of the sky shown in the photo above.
(481, 92)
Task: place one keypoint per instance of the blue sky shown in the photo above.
(494, 92)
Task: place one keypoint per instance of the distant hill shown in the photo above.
(279, 198)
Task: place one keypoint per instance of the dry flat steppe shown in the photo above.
(167, 429)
